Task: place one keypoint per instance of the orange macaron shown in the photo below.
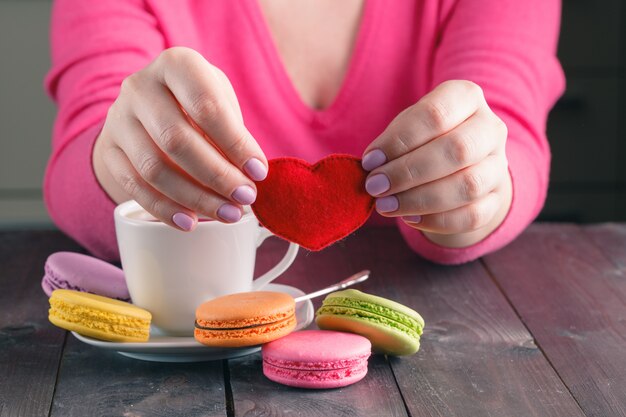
(245, 319)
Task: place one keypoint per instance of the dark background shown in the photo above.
(585, 129)
(588, 179)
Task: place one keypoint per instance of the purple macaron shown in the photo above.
(74, 271)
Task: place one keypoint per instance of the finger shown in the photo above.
(466, 145)
(194, 83)
(460, 220)
(438, 112)
(448, 193)
(230, 93)
(153, 167)
(168, 127)
(152, 201)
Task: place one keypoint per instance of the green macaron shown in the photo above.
(392, 328)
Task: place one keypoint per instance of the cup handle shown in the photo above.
(280, 267)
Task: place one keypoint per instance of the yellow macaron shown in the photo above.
(99, 317)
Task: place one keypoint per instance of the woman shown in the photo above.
(180, 104)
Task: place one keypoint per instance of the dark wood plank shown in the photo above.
(476, 358)
(610, 238)
(30, 347)
(95, 382)
(254, 395)
(571, 298)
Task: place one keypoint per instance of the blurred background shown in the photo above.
(588, 180)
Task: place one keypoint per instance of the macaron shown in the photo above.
(317, 359)
(74, 271)
(392, 328)
(99, 317)
(245, 319)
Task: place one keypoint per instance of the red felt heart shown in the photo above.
(313, 205)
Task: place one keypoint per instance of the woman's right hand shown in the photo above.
(174, 140)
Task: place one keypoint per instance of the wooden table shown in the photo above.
(536, 329)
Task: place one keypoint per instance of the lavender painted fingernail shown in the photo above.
(183, 221)
(244, 194)
(377, 184)
(412, 219)
(387, 204)
(373, 159)
(229, 213)
(255, 169)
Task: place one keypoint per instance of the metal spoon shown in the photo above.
(351, 280)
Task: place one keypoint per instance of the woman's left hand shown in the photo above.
(441, 166)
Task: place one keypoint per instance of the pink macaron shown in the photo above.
(317, 359)
(74, 271)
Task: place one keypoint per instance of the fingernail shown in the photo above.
(183, 221)
(373, 159)
(387, 204)
(229, 213)
(377, 184)
(255, 169)
(412, 219)
(244, 194)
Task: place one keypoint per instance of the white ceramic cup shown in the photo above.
(170, 272)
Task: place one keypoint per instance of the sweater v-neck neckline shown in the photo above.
(324, 116)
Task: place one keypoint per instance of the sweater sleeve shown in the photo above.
(94, 46)
(508, 47)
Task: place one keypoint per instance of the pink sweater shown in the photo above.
(403, 49)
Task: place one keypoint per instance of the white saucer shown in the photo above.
(187, 349)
